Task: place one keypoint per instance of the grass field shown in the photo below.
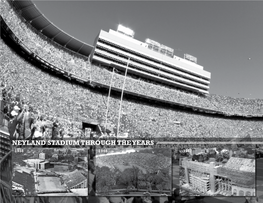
(50, 184)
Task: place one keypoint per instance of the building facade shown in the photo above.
(228, 180)
(126, 53)
(5, 143)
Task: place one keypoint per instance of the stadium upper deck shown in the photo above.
(79, 67)
(34, 17)
(123, 52)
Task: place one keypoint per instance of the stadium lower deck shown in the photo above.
(73, 103)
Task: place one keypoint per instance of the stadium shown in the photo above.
(131, 172)
(114, 85)
(232, 177)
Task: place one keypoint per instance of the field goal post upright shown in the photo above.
(122, 90)
(89, 63)
(108, 99)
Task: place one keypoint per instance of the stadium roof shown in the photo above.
(34, 17)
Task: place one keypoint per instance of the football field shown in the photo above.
(50, 184)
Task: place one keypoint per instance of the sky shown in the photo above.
(225, 36)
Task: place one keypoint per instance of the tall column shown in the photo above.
(186, 171)
(212, 177)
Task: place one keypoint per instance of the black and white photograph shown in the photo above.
(218, 170)
(50, 172)
(133, 171)
(92, 70)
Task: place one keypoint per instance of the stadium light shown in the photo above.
(150, 41)
(190, 58)
(125, 30)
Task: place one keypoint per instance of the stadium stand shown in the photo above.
(79, 65)
(150, 162)
(27, 180)
(54, 96)
(61, 84)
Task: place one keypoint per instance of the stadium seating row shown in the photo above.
(53, 96)
(80, 66)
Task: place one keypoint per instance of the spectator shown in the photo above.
(73, 103)
(55, 131)
(16, 118)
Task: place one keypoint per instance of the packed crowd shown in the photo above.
(26, 123)
(73, 104)
(80, 66)
(149, 162)
(224, 104)
(40, 45)
(56, 99)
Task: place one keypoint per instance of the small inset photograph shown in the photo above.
(217, 170)
(133, 171)
(50, 172)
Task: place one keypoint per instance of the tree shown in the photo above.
(201, 158)
(219, 158)
(104, 177)
(219, 149)
(195, 157)
(53, 159)
(212, 153)
(48, 153)
(225, 155)
(243, 155)
(234, 147)
(130, 176)
(148, 179)
(125, 178)
(70, 158)
(205, 156)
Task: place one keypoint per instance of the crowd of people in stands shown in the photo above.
(73, 104)
(65, 105)
(42, 46)
(26, 123)
(224, 104)
(150, 162)
(79, 65)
